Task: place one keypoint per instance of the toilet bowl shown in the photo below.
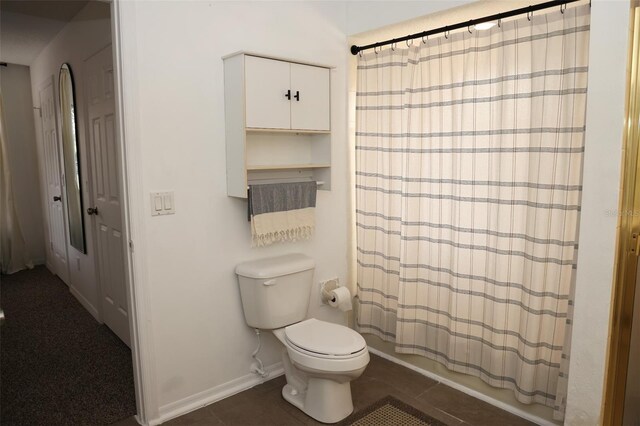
(320, 359)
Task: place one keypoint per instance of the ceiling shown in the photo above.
(27, 26)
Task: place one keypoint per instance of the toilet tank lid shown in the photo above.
(275, 266)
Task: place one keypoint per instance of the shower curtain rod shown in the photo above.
(467, 24)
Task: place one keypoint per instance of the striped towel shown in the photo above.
(282, 212)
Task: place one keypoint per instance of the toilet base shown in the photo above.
(327, 401)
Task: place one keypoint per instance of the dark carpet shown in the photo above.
(58, 365)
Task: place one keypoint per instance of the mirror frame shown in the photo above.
(67, 66)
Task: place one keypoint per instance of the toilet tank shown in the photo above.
(275, 291)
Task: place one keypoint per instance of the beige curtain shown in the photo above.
(468, 187)
(13, 252)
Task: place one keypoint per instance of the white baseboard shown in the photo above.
(84, 302)
(474, 393)
(209, 396)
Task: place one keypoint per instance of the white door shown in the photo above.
(105, 176)
(310, 101)
(55, 206)
(268, 93)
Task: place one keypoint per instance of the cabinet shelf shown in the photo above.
(293, 131)
(287, 166)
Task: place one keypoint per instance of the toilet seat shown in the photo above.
(322, 347)
(324, 339)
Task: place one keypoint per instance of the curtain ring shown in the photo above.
(423, 41)
(409, 45)
(562, 9)
(529, 15)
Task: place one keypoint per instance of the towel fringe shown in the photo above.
(292, 234)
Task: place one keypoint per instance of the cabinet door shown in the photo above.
(266, 84)
(310, 99)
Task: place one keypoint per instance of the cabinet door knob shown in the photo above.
(92, 210)
(288, 94)
(297, 96)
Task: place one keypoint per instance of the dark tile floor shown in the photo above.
(264, 405)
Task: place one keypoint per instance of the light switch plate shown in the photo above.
(162, 203)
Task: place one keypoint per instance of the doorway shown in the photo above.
(82, 335)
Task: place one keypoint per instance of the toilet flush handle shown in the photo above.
(269, 282)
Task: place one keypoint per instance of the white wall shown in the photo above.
(15, 85)
(372, 15)
(174, 74)
(602, 159)
(86, 34)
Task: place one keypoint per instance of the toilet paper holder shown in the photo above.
(326, 288)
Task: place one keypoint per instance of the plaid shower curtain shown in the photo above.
(468, 186)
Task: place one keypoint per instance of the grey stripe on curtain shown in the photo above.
(468, 189)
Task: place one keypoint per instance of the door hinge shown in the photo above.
(634, 246)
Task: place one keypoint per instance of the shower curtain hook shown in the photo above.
(360, 53)
(393, 47)
(423, 41)
(499, 23)
(375, 49)
(409, 45)
(562, 9)
(469, 29)
(529, 15)
(446, 34)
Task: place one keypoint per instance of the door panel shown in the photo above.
(266, 84)
(55, 207)
(310, 110)
(105, 160)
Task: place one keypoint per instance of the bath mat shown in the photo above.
(390, 411)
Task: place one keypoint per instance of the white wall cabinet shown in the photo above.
(310, 105)
(278, 121)
(267, 81)
(285, 95)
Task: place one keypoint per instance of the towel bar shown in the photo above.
(319, 183)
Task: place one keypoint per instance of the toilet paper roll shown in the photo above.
(341, 299)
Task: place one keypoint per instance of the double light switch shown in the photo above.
(162, 203)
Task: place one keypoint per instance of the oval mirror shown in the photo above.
(71, 157)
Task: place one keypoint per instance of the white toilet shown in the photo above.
(320, 358)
